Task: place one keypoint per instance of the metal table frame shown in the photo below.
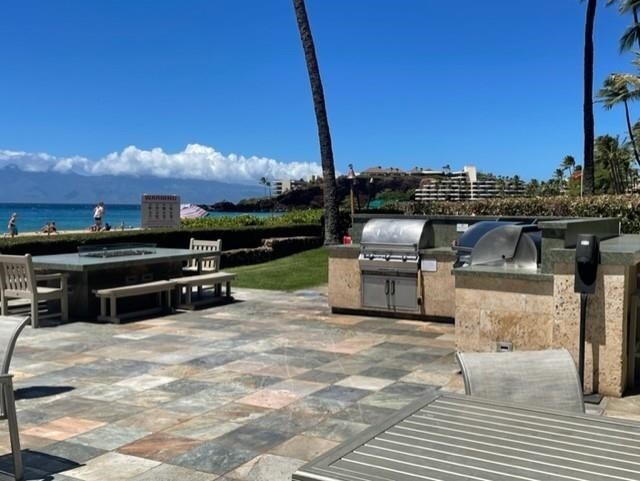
(514, 442)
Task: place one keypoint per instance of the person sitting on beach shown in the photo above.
(11, 226)
(49, 228)
(98, 214)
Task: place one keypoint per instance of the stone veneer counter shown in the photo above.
(622, 250)
(504, 273)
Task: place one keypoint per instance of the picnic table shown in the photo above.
(451, 437)
(87, 274)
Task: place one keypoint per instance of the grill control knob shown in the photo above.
(371, 256)
(387, 257)
(404, 258)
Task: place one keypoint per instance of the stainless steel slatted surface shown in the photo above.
(456, 438)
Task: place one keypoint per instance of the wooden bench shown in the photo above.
(115, 293)
(215, 279)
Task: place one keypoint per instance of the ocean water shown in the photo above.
(31, 217)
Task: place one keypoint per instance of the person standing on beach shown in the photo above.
(12, 227)
(98, 214)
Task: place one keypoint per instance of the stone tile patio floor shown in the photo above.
(247, 391)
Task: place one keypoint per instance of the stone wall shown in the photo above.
(544, 314)
(439, 291)
(607, 325)
(344, 283)
(493, 309)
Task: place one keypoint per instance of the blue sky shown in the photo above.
(495, 83)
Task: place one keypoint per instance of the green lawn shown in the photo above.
(298, 271)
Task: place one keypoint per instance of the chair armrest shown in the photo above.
(51, 277)
(6, 379)
(213, 255)
(59, 276)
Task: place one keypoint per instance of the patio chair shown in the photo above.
(209, 264)
(545, 379)
(10, 329)
(19, 281)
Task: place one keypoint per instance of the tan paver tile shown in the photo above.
(159, 446)
(365, 382)
(168, 472)
(145, 381)
(203, 428)
(295, 386)
(111, 467)
(304, 447)
(63, 428)
(267, 467)
(154, 420)
(247, 367)
(354, 345)
(285, 372)
(178, 371)
(427, 377)
(268, 398)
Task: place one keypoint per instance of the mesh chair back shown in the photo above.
(209, 264)
(17, 275)
(546, 379)
(10, 329)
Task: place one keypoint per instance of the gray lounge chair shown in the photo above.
(545, 379)
(10, 329)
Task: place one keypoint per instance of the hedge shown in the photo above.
(232, 238)
(624, 207)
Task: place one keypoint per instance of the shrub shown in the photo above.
(624, 207)
(296, 217)
(232, 238)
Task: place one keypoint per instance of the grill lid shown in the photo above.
(509, 245)
(396, 234)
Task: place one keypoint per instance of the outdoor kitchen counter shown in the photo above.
(501, 272)
(622, 250)
(437, 286)
(347, 251)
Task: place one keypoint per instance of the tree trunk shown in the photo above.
(635, 20)
(588, 127)
(331, 234)
(631, 136)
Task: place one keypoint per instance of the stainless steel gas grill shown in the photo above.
(390, 263)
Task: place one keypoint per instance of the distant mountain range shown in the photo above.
(52, 187)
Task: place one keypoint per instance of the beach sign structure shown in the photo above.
(160, 210)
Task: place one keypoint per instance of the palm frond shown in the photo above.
(630, 37)
(626, 6)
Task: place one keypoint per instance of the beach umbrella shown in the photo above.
(190, 211)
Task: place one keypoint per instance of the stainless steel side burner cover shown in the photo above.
(508, 246)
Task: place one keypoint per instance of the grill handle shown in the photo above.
(391, 246)
(386, 287)
(393, 288)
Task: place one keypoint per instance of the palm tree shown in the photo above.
(612, 159)
(558, 175)
(267, 185)
(616, 90)
(331, 234)
(568, 163)
(632, 34)
(587, 106)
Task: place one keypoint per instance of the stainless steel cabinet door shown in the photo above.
(404, 293)
(375, 291)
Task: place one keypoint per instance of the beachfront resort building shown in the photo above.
(280, 186)
(464, 184)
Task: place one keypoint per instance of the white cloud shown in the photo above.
(194, 162)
